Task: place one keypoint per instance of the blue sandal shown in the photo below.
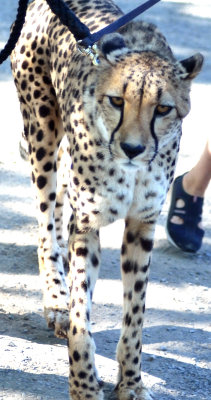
(186, 236)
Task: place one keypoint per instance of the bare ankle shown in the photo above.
(192, 185)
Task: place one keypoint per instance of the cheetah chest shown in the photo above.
(115, 195)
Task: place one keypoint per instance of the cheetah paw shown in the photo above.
(57, 320)
(137, 394)
(76, 395)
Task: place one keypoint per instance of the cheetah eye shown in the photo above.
(163, 110)
(116, 101)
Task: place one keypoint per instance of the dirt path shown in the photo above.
(176, 352)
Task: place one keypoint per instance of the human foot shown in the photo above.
(184, 219)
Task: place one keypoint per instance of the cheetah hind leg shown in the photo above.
(57, 320)
(55, 295)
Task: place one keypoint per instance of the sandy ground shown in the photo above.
(176, 352)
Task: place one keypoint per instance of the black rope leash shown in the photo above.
(85, 40)
(60, 9)
(16, 30)
(69, 19)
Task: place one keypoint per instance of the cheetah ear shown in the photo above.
(112, 46)
(191, 66)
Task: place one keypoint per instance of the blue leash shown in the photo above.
(85, 40)
(87, 45)
(91, 39)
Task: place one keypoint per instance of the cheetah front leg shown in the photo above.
(136, 249)
(84, 253)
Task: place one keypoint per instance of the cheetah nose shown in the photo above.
(132, 151)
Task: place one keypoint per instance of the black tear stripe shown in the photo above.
(153, 118)
(152, 130)
(125, 87)
(117, 128)
(142, 90)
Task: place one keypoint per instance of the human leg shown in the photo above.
(196, 181)
(185, 213)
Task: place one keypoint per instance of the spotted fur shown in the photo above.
(120, 127)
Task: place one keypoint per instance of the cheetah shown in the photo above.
(108, 136)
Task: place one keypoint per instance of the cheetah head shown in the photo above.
(141, 98)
